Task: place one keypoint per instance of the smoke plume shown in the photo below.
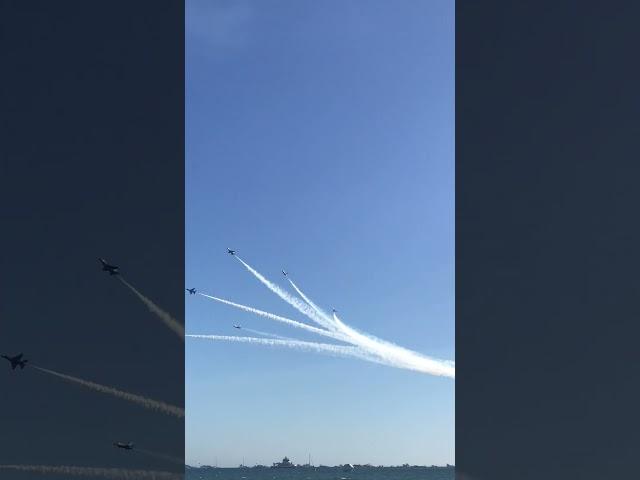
(278, 318)
(140, 400)
(108, 473)
(167, 319)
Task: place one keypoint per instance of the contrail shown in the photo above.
(168, 320)
(370, 347)
(266, 334)
(109, 473)
(318, 310)
(389, 353)
(140, 400)
(278, 318)
(335, 350)
(397, 356)
(161, 456)
(290, 299)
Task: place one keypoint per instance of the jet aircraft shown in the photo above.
(124, 446)
(192, 291)
(237, 326)
(231, 252)
(16, 361)
(112, 269)
(284, 273)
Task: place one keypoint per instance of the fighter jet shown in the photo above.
(16, 361)
(284, 273)
(192, 291)
(231, 252)
(334, 310)
(112, 269)
(237, 326)
(125, 446)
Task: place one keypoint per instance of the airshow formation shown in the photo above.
(20, 361)
(344, 341)
(353, 343)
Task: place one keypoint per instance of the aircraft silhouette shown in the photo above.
(112, 269)
(16, 361)
(124, 446)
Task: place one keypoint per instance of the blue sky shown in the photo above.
(320, 139)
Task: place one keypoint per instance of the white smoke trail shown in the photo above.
(290, 299)
(318, 310)
(397, 356)
(266, 334)
(387, 352)
(109, 473)
(167, 319)
(372, 348)
(140, 400)
(334, 350)
(278, 318)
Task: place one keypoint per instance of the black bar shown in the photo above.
(547, 239)
(92, 146)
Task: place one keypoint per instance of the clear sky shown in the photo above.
(320, 139)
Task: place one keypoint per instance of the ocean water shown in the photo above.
(388, 473)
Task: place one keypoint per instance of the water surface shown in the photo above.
(385, 473)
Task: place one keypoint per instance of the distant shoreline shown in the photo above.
(324, 467)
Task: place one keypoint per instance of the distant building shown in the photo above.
(285, 463)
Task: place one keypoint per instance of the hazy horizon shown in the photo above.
(314, 464)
